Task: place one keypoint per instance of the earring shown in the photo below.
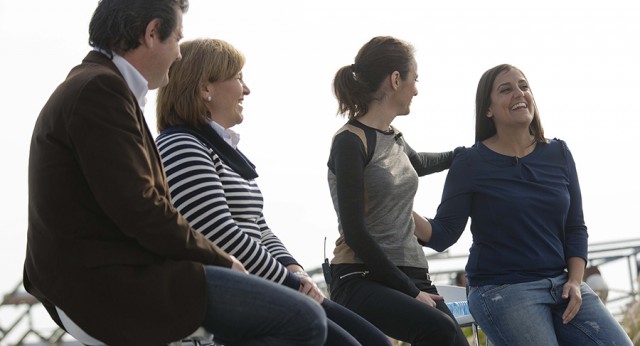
(208, 98)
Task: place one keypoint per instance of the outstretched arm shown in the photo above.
(454, 210)
(428, 163)
(423, 228)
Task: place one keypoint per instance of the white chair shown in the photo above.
(74, 330)
(459, 294)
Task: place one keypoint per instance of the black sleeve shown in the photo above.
(427, 163)
(347, 161)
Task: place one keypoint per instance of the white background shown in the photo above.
(581, 58)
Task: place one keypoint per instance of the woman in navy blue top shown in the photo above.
(529, 248)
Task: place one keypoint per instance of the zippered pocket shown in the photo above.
(361, 273)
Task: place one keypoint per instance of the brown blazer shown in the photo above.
(104, 243)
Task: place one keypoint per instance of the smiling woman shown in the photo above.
(529, 233)
(208, 87)
(508, 104)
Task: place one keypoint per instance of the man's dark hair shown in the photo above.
(118, 25)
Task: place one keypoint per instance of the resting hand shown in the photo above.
(571, 291)
(237, 265)
(429, 299)
(422, 228)
(309, 288)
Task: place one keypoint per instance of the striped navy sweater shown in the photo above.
(222, 205)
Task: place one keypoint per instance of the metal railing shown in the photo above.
(21, 326)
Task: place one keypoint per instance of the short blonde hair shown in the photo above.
(203, 61)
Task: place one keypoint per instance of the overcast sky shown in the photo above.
(581, 59)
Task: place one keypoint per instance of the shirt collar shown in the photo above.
(231, 137)
(136, 82)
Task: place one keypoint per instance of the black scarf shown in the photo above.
(231, 156)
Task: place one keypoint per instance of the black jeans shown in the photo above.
(345, 327)
(396, 314)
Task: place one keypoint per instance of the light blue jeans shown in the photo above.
(244, 309)
(531, 314)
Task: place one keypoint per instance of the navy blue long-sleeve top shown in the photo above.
(526, 213)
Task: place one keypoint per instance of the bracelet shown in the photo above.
(302, 273)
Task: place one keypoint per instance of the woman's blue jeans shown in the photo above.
(244, 309)
(530, 313)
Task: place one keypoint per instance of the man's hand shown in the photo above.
(237, 265)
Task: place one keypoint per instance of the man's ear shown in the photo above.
(151, 33)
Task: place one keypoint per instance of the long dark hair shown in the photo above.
(485, 127)
(118, 25)
(356, 85)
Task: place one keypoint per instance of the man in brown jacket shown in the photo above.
(105, 249)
